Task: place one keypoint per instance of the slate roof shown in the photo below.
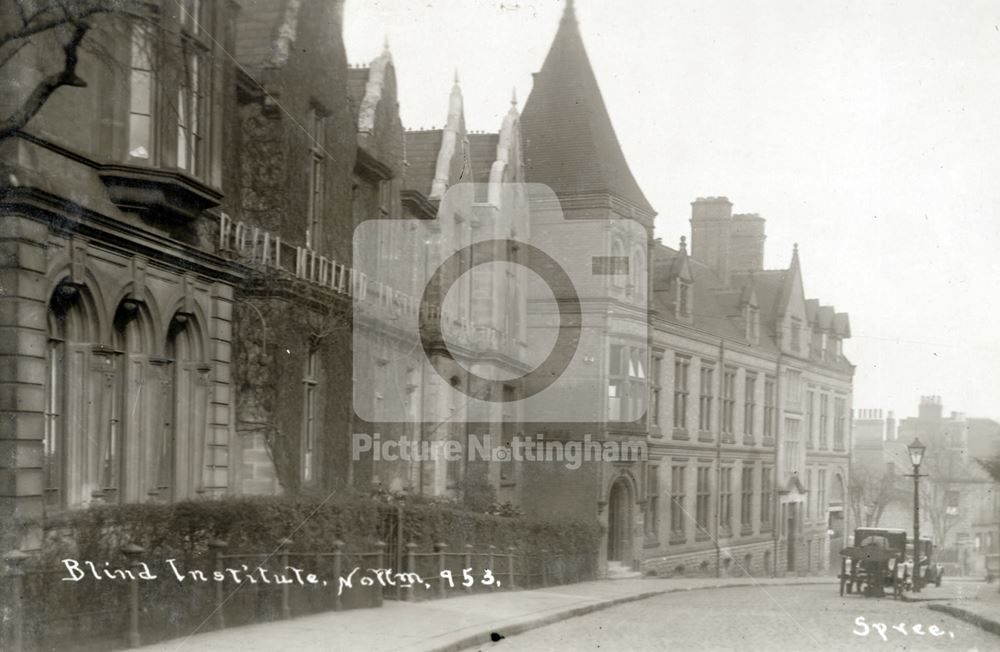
(768, 285)
(569, 142)
(895, 452)
(483, 153)
(812, 307)
(718, 308)
(712, 311)
(422, 149)
(357, 81)
(984, 437)
(256, 28)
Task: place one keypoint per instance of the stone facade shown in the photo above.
(117, 315)
(225, 296)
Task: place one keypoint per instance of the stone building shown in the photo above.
(749, 434)
(116, 312)
(958, 501)
(189, 311)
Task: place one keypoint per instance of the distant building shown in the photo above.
(959, 505)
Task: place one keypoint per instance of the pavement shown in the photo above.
(973, 601)
(450, 624)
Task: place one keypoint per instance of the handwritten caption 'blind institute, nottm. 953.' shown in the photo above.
(78, 571)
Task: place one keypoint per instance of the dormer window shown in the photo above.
(753, 323)
(683, 298)
(796, 334)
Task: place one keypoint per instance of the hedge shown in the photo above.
(93, 614)
(259, 524)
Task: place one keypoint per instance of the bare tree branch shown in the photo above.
(12, 53)
(62, 18)
(991, 466)
(21, 11)
(49, 85)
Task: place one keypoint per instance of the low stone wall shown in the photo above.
(756, 559)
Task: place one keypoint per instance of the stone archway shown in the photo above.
(836, 525)
(620, 523)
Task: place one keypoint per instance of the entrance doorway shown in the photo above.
(792, 529)
(620, 523)
(836, 532)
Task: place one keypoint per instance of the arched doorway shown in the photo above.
(620, 523)
(70, 447)
(181, 440)
(836, 528)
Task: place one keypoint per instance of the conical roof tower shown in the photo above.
(570, 144)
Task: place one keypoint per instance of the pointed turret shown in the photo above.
(452, 140)
(681, 268)
(570, 144)
(791, 284)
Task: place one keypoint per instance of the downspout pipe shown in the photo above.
(775, 516)
(718, 458)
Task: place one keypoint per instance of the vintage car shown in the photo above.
(930, 571)
(875, 561)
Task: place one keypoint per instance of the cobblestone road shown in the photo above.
(767, 618)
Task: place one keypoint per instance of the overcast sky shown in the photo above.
(866, 131)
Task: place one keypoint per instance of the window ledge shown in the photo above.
(167, 192)
(702, 537)
(681, 434)
(705, 436)
(746, 530)
(748, 441)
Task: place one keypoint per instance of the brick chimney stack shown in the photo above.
(747, 243)
(711, 225)
(890, 427)
(930, 408)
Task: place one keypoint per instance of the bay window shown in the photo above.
(171, 85)
(626, 382)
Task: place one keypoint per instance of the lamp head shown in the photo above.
(916, 450)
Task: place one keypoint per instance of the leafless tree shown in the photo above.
(946, 469)
(991, 466)
(59, 28)
(872, 488)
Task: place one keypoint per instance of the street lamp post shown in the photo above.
(916, 450)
